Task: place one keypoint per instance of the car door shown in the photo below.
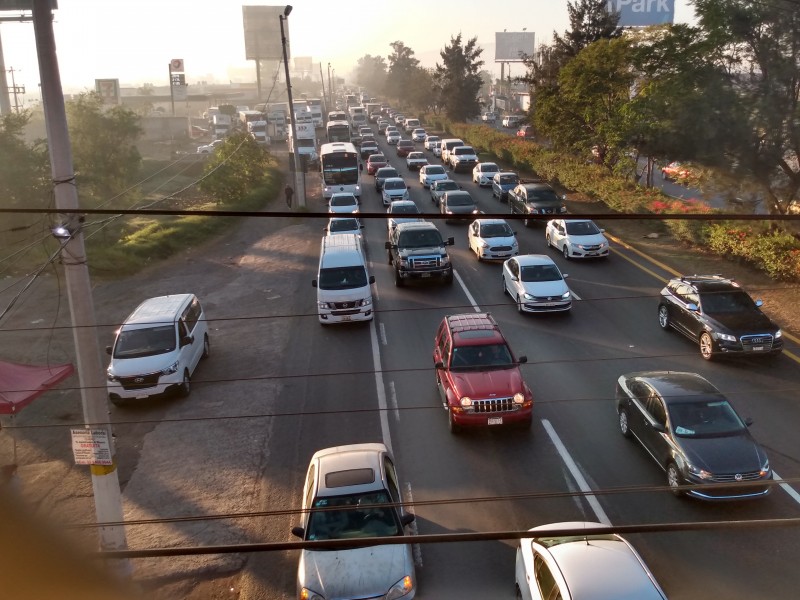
(511, 277)
(636, 407)
(684, 319)
(654, 436)
(557, 233)
(473, 233)
(514, 200)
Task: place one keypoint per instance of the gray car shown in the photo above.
(457, 202)
(439, 188)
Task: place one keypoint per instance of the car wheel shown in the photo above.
(565, 251)
(452, 426)
(674, 479)
(663, 317)
(206, 347)
(519, 305)
(186, 385)
(624, 425)
(706, 346)
(398, 281)
(505, 290)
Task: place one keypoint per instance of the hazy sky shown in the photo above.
(134, 40)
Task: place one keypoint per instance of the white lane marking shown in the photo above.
(574, 295)
(466, 291)
(416, 548)
(383, 334)
(576, 474)
(787, 488)
(393, 401)
(379, 387)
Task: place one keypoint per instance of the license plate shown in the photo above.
(426, 274)
(495, 420)
(549, 304)
(346, 318)
(758, 348)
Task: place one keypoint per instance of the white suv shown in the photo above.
(511, 120)
(463, 158)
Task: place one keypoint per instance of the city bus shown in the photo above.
(339, 166)
(338, 131)
(315, 105)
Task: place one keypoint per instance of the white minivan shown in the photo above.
(157, 348)
(343, 284)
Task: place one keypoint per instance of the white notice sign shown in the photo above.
(91, 447)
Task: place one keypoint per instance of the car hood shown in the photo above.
(461, 210)
(500, 241)
(588, 240)
(506, 186)
(730, 454)
(744, 323)
(355, 573)
(426, 251)
(400, 192)
(493, 383)
(545, 288)
(127, 367)
(545, 203)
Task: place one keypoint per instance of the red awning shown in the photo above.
(22, 384)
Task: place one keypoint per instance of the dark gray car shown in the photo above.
(382, 175)
(439, 188)
(535, 198)
(457, 202)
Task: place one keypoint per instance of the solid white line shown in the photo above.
(576, 474)
(383, 334)
(416, 548)
(787, 488)
(393, 401)
(466, 291)
(379, 387)
(574, 295)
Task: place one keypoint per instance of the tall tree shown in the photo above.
(235, 168)
(371, 73)
(402, 69)
(24, 168)
(458, 79)
(103, 145)
(759, 44)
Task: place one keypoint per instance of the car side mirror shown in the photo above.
(108, 350)
(298, 532)
(692, 307)
(522, 359)
(407, 519)
(371, 279)
(361, 227)
(324, 230)
(388, 245)
(438, 365)
(565, 275)
(451, 241)
(759, 303)
(314, 283)
(748, 421)
(563, 196)
(602, 231)
(658, 427)
(186, 340)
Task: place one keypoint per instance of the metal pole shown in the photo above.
(330, 90)
(297, 166)
(105, 480)
(258, 80)
(324, 98)
(171, 89)
(5, 105)
(14, 89)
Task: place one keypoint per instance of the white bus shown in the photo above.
(315, 104)
(339, 166)
(338, 131)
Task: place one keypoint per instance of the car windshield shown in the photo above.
(405, 209)
(413, 155)
(460, 200)
(434, 171)
(444, 186)
(385, 174)
(342, 278)
(376, 158)
(353, 516)
(509, 179)
(136, 343)
(534, 273)
(491, 230)
(420, 239)
(340, 225)
(488, 355)
(394, 185)
(489, 168)
(720, 303)
(343, 201)
(582, 228)
(542, 196)
(704, 418)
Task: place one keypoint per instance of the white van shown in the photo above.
(411, 124)
(157, 348)
(343, 284)
(447, 145)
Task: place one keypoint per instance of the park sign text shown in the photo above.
(640, 13)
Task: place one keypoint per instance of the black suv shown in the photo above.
(535, 198)
(719, 315)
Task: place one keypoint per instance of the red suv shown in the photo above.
(477, 375)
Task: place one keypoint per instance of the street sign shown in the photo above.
(640, 13)
(176, 65)
(177, 79)
(91, 447)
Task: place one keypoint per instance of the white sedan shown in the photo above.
(483, 173)
(392, 137)
(535, 284)
(492, 239)
(343, 203)
(419, 135)
(406, 208)
(430, 173)
(588, 565)
(576, 238)
(429, 140)
(415, 161)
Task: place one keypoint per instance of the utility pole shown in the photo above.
(105, 479)
(15, 89)
(5, 105)
(324, 97)
(330, 90)
(295, 164)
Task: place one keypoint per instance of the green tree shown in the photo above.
(371, 73)
(758, 43)
(103, 145)
(235, 168)
(402, 69)
(458, 79)
(24, 169)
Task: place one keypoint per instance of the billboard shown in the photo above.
(262, 32)
(108, 90)
(302, 64)
(513, 46)
(640, 13)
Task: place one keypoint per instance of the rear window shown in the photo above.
(434, 170)
(460, 200)
(463, 150)
(350, 477)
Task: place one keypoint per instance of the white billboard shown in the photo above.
(640, 13)
(513, 46)
(262, 32)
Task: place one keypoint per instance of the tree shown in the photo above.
(235, 168)
(402, 68)
(371, 73)
(103, 145)
(24, 169)
(758, 43)
(458, 79)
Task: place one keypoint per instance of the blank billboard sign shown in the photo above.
(513, 46)
(640, 13)
(262, 32)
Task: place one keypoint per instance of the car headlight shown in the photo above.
(110, 376)
(565, 296)
(603, 244)
(405, 195)
(528, 296)
(173, 368)
(403, 262)
(533, 211)
(445, 259)
(322, 305)
(307, 594)
(448, 212)
(365, 302)
(765, 470)
(402, 588)
(483, 245)
(519, 398)
(725, 336)
(778, 334)
(698, 472)
(466, 401)
(475, 212)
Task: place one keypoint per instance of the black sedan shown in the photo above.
(693, 433)
(719, 316)
(382, 175)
